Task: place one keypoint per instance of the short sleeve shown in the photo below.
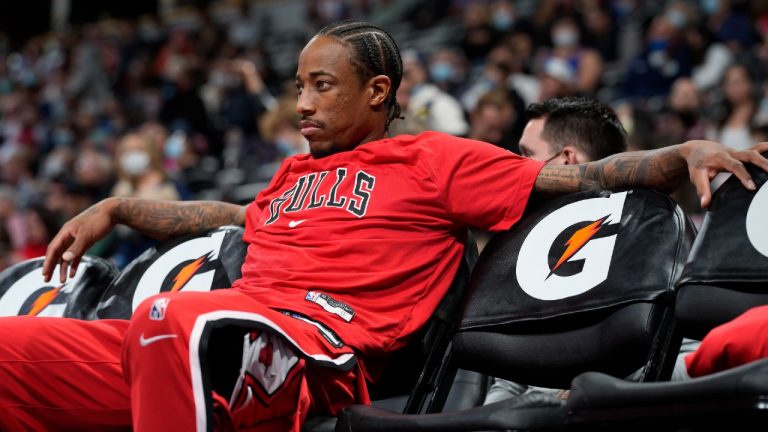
(485, 186)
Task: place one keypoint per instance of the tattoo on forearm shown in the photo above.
(166, 219)
(662, 169)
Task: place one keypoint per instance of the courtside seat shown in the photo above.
(726, 274)
(583, 283)
(201, 261)
(212, 259)
(24, 292)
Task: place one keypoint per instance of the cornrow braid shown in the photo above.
(375, 53)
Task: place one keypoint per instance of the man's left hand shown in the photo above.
(707, 158)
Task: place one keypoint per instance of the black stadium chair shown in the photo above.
(24, 292)
(585, 282)
(212, 259)
(726, 274)
(195, 262)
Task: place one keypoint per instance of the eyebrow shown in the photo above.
(315, 74)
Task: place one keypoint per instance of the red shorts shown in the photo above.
(108, 375)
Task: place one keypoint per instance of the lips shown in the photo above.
(308, 127)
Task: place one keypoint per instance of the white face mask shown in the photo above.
(134, 162)
(565, 38)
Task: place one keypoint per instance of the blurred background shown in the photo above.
(187, 100)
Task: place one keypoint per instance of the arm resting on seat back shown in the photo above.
(160, 220)
(664, 169)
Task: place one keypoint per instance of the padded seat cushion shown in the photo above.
(617, 344)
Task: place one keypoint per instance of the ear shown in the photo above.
(379, 88)
(572, 155)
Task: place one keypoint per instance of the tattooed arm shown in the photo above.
(157, 219)
(665, 169)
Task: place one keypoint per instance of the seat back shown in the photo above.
(727, 270)
(23, 290)
(422, 357)
(585, 282)
(202, 261)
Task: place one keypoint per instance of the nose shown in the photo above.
(304, 104)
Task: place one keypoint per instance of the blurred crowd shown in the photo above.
(197, 102)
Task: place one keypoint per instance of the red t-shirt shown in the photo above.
(368, 241)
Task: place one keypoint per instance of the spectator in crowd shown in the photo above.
(665, 57)
(425, 105)
(601, 30)
(40, 225)
(711, 58)
(12, 232)
(140, 174)
(585, 64)
(448, 69)
(556, 79)
(682, 119)
(493, 74)
(479, 33)
(738, 109)
(493, 117)
(572, 130)
(280, 128)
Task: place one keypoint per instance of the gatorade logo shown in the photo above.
(31, 295)
(189, 266)
(569, 251)
(757, 230)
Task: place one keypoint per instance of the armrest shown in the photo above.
(596, 397)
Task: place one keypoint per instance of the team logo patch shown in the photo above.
(268, 365)
(158, 308)
(569, 251)
(331, 305)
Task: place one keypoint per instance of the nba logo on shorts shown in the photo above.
(157, 311)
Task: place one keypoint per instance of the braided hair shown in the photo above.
(375, 53)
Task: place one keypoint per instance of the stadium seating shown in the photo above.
(726, 274)
(24, 292)
(583, 283)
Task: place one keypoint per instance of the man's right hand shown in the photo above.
(76, 237)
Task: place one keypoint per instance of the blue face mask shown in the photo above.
(174, 146)
(658, 44)
(442, 72)
(503, 21)
(676, 18)
(709, 6)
